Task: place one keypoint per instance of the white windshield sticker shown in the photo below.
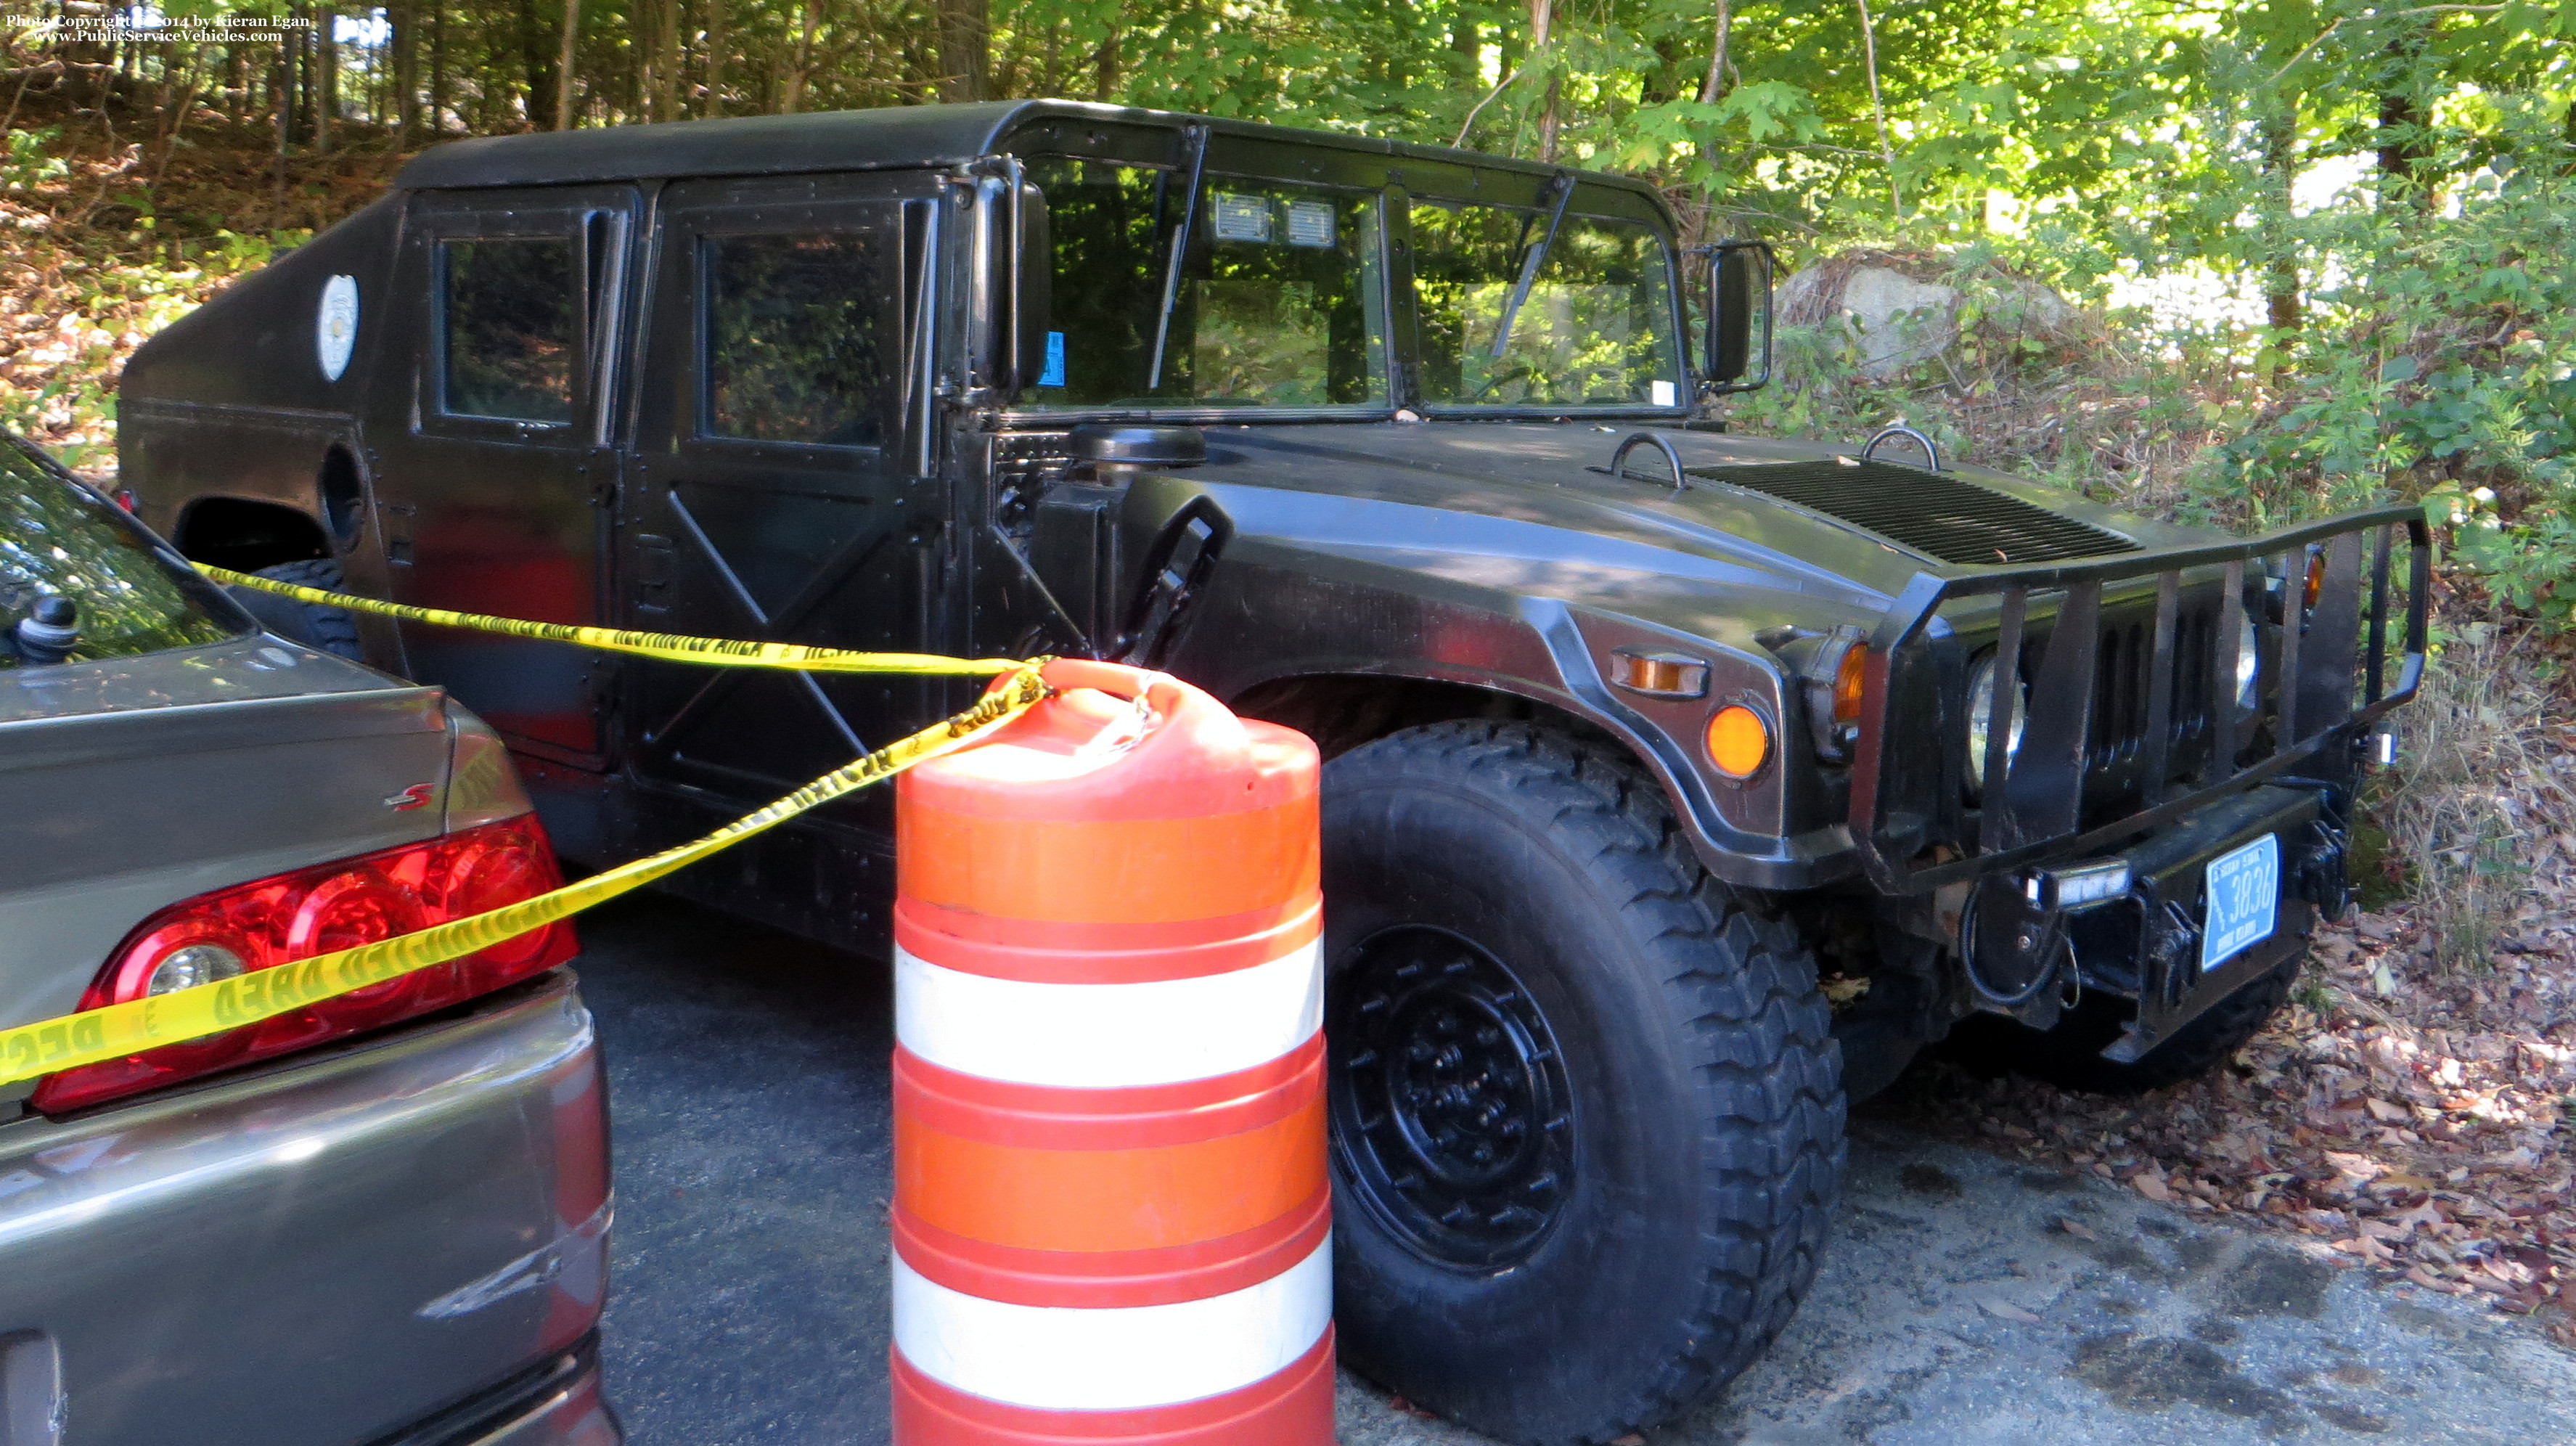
(1310, 223)
(335, 325)
(1660, 391)
(1241, 218)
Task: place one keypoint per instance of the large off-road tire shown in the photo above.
(333, 630)
(2070, 1055)
(1587, 1110)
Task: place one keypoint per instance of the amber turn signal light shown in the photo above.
(1659, 675)
(2316, 575)
(1738, 741)
(1848, 677)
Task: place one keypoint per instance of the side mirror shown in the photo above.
(1739, 312)
(1033, 358)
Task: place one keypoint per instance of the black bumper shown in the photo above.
(2146, 945)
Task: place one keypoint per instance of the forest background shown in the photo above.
(2319, 250)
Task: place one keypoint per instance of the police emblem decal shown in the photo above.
(335, 325)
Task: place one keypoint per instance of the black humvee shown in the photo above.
(1683, 783)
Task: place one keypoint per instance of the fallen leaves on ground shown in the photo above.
(2412, 1118)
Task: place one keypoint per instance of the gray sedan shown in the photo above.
(382, 1219)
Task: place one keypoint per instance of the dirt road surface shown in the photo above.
(1956, 1307)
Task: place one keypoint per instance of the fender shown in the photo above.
(1224, 591)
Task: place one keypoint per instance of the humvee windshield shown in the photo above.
(1282, 300)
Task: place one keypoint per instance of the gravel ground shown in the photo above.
(748, 1302)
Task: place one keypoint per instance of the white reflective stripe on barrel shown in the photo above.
(1108, 1036)
(1066, 1359)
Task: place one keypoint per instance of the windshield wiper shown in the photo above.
(1560, 189)
(1194, 139)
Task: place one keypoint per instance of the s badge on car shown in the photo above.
(416, 796)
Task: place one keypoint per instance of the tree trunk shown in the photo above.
(666, 60)
(438, 95)
(536, 71)
(1878, 110)
(1714, 87)
(197, 71)
(2403, 147)
(1549, 121)
(646, 52)
(804, 56)
(1711, 91)
(2280, 134)
(717, 40)
(965, 54)
(161, 101)
(282, 97)
(1105, 77)
(564, 56)
(402, 20)
(326, 77)
(1467, 46)
(299, 77)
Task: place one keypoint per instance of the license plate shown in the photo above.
(2244, 886)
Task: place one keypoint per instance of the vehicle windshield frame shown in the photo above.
(1589, 201)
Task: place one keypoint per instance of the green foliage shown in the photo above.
(2412, 337)
(31, 159)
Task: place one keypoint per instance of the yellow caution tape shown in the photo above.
(670, 647)
(118, 1030)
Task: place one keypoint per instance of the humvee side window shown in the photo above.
(792, 349)
(1595, 329)
(512, 327)
(1280, 303)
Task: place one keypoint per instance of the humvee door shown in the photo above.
(772, 492)
(493, 464)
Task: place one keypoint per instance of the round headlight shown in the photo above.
(1981, 702)
(2249, 667)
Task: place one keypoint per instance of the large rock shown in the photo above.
(1902, 311)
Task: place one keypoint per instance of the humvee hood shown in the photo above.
(1554, 476)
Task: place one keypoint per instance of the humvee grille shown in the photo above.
(1941, 517)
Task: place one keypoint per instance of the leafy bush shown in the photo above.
(2436, 364)
(2441, 366)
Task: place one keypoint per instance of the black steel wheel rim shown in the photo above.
(1451, 1117)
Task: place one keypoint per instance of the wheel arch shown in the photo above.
(247, 534)
(1341, 711)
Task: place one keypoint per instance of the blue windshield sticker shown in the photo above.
(1053, 376)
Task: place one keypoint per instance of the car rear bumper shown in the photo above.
(555, 1403)
(340, 1250)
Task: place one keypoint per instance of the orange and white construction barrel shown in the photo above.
(1111, 1217)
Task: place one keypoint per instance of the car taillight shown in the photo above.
(314, 911)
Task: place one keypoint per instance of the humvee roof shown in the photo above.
(853, 140)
